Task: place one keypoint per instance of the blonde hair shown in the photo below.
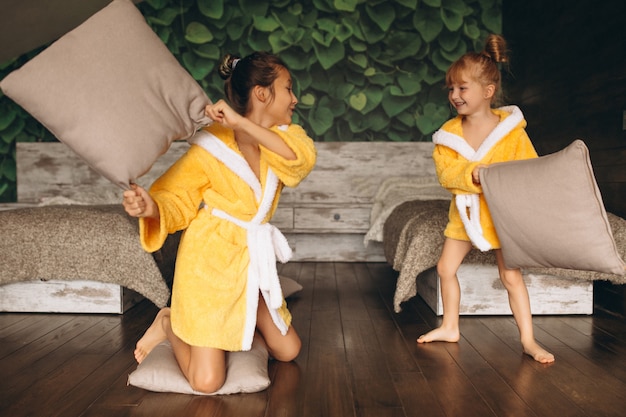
(482, 66)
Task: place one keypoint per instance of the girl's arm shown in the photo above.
(455, 173)
(248, 130)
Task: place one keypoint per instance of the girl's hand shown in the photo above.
(138, 203)
(222, 113)
(476, 173)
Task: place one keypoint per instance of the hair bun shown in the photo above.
(227, 65)
(496, 48)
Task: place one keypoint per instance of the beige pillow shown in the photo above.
(245, 371)
(548, 212)
(289, 286)
(112, 91)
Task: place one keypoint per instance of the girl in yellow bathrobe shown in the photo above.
(223, 192)
(476, 137)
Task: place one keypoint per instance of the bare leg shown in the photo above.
(204, 367)
(452, 255)
(520, 306)
(152, 337)
(283, 348)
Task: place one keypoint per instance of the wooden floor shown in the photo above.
(358, 359)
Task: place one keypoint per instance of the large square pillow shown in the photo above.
(548, 212)
(245, 371)
(111, 90)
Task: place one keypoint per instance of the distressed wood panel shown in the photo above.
(482, 292)
(332, 219)
(329, 247)
(54, 170)
(66, 297)
(351, 172)
(283, 218)
(345, 173)
(336, 197)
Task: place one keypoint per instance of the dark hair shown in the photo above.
(482, 66)
(243, 74)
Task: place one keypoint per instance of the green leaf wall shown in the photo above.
(364, 70)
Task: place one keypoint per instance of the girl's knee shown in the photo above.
(290, 352)
(445, 271)
(207, 382)
(285, 348)
(511, 278)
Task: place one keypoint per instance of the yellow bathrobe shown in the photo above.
(213, 194)
(455, 159)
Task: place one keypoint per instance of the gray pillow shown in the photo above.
(112, 91)
(548, 212)
(245, 371)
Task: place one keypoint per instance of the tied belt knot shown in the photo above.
(266, 244)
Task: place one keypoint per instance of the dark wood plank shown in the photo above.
(111, 377)
(285, 391)
(359, 358)
(501, 349)
(29, 330)
(44, 355)
(9, 320)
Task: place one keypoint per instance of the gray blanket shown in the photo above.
(413, 239)
(79, 242)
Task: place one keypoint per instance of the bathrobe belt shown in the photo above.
(266, 244)
(472, 221)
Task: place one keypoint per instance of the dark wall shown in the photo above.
(569, 78)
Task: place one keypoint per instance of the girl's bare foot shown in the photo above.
(153, 336)
(538, 353)
(440, 334)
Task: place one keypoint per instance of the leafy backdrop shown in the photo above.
(364, 70)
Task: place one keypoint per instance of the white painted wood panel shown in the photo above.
(66, 297)
(332, 219)
(482, 292)
(330, 247)
(351, 172)
(53, 170)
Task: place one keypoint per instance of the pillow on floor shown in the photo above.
(245, 371)
(548, 212)
(111, 90)
(289, 286)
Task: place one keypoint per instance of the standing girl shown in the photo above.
(478, 136)
(223, 192)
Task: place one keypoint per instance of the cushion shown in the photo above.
(548, 212)
(112, 91)
(245, 371)
(289, 286)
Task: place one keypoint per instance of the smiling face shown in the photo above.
(282, 102)
(473, 83)
(468, 96)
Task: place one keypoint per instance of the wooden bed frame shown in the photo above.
(325, 218)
